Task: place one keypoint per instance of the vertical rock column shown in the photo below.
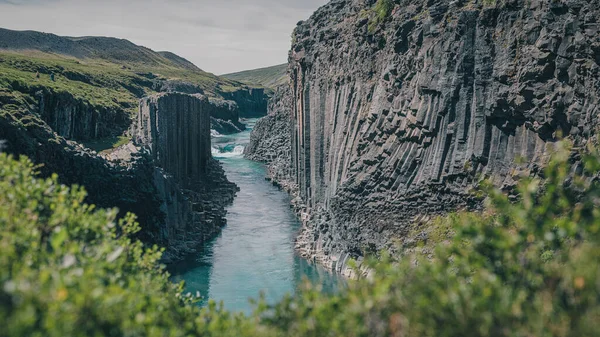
(175, 129)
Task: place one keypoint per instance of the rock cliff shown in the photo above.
(399, 111)
(128, 188)
(270, 140)
(175, 129)
(75, 119)
(225, 117)
(252, 102)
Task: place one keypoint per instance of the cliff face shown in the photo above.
(270, 140)
(252, 102)
(78, 120)
(396, 121)
(225, 117)
(175, 129)
(129, 188)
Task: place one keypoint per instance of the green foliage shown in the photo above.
(525, 268)
(68, 269)
(96, 81)
(530, 268)
(107, 143)
(382, 10)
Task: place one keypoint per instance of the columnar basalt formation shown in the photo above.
(175, 129)
(397, 121)
(76, 119)
(270, 139)
(128, 188)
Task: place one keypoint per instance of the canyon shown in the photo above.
(392, 114)
(416, 168)
(131, 125)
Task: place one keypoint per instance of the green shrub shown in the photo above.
(382, 10)
(494, 277)
(525, 268)
(67, 269)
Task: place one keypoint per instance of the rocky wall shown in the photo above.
(397, 121)
(175, 129)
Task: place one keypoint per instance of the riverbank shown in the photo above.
(255, 251)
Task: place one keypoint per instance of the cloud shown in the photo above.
(217, 35)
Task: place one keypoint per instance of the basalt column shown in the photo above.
(175, 129)
(396, 119)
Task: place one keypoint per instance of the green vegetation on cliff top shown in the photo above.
(95, 80)
(524, 268)
(269, 77)
(105, 74)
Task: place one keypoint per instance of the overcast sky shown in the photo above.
(219, 36)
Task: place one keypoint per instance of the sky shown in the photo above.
(219, 36)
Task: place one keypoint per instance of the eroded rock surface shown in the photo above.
(252, 102)
(396, 122)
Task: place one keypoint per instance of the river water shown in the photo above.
(255, 251)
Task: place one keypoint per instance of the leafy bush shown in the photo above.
(530, 268)
(67, 269)
(525, 268)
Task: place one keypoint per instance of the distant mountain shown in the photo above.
(94, 47)
(269, 77)
(180, 61)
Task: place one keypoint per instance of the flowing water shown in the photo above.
(255, 251)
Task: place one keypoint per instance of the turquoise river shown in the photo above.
(255, 251)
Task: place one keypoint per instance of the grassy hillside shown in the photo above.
(88, 63)
(103, 74)
(269, 77)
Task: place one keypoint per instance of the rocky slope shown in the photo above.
(127, 187)
(400, 108)
(177, 190)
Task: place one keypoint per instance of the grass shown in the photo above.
(104, 144)
(98, 83)
(382, 10)
(270, 77)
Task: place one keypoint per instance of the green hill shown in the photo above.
(30, 51)
(269, 77)
(99, 79)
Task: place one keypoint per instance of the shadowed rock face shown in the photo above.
(74, 119)
(397, 124)
(175, 129)
(225, 117)
(252, 102)
(270, 139)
